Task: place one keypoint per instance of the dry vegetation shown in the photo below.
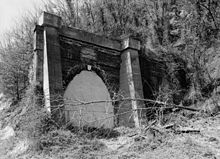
(181, 134)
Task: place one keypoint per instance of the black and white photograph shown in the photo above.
(109, 79)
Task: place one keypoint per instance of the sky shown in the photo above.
(12, 10)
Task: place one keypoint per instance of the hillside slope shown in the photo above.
(183, 139)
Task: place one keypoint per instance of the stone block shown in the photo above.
(48, 19)
(131, 43)
(91, 38)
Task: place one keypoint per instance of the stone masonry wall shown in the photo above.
(61, 53)
(75, 53)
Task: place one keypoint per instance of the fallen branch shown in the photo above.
(186, 130)
(169, 126)
(150, 125)
(79, 103)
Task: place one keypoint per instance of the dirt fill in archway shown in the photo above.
(88, 87)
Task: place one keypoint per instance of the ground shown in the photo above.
(177, 135)
(195, 138)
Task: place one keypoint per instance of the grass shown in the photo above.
(38, 137)
(131, 143)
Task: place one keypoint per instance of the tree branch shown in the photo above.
(78, 103)
(208, 8)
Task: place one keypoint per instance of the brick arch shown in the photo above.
(81, 67)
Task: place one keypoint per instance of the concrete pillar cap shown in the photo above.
(130, 42)
(48, 19)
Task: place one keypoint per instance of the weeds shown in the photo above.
(57, 139)
(33, 122)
